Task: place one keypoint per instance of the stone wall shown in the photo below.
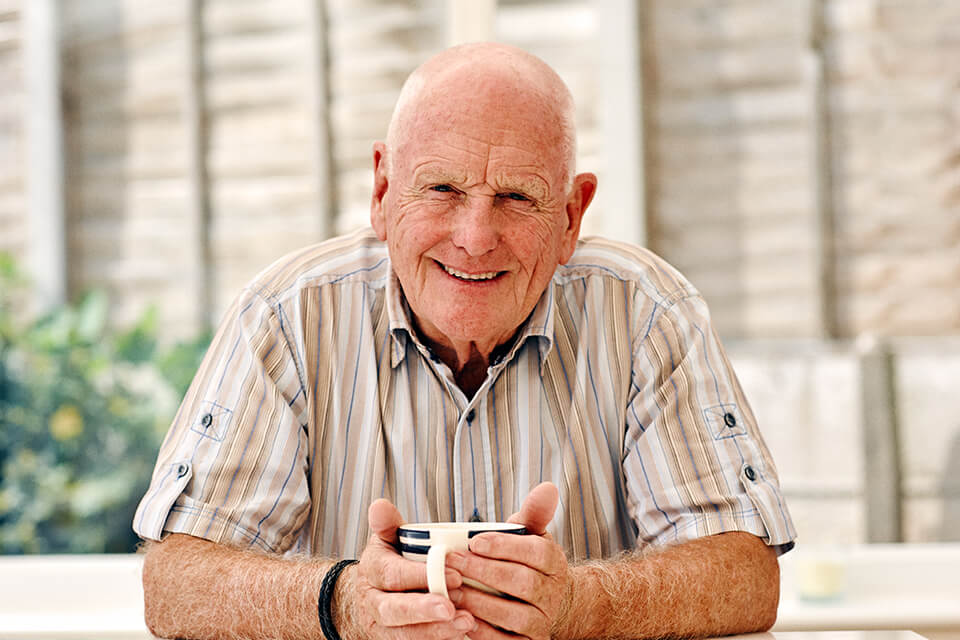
(13, 214)
(259, 137)
(127, 188)
(804, 156)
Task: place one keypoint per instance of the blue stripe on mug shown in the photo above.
(521, 531)
(414, 548)
(422, 534)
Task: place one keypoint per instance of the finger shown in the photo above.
(384, 518)
(537, 552)
(503, 614)
(486, 631)
(538, 508)
(398, 609)
(387, 570)
(513, 579)
(454, 630)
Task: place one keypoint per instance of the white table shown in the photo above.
(831, 635)
(771, 635)
(879, 586)
(100, 598)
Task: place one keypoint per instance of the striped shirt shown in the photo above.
(317, 396)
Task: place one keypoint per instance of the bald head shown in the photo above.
(475, 197)
(487, 80)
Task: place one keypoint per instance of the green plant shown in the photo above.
(83, 409)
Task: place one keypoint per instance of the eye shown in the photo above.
(442, 188)
(513, 195)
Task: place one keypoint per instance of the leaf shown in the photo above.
(139, 343)
(179, 364)
(92, 316)
(66, 423)
(79, 407)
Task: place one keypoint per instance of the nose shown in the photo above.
(476, 229)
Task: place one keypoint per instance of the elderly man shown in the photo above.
(468, 359)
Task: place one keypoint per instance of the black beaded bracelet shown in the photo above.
(326, 595)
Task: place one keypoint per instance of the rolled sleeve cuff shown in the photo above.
(152, 512)
(165, 509)
(759, 510)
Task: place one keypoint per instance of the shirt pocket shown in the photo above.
(156, 504)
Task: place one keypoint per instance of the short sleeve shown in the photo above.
(695, 463)
(234, 466)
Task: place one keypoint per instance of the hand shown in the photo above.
(386, 587)
(532, 568)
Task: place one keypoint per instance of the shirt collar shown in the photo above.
(398, 314)
(538, 326)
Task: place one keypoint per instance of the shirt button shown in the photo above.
(750, 473)
(206, 420)
(470, 416)
(730, 420)
(182, 470)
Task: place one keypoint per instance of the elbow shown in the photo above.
(769, 592)
(758, 571)
(767, 617)
(153, 593)
(160, 589)
(173, 580)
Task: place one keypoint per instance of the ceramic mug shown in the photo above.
(430, 542)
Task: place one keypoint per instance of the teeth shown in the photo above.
(470, 276)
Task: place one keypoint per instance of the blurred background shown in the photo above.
(798, 160)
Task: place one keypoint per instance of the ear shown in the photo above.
(380, 184)
(584, 186)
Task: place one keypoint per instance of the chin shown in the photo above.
(472, 330)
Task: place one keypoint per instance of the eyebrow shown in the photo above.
(436, 175)
(530, 185)
(533, 186)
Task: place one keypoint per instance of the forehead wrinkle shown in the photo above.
(441, 167)
(465, 144)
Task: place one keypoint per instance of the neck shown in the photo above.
(468, 360)
(469, 368)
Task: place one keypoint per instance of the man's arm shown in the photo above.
(718, 585)
(197, 589)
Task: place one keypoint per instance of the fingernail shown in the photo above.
(453, 578)
(479, 545)
(465, 624)
(456, 595)
(441, 610)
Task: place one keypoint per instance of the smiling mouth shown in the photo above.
(470, 277)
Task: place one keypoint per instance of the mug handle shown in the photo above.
(436, 569)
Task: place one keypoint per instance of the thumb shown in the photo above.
(538, 508)
(384, 518)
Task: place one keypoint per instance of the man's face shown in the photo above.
(477, 216)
